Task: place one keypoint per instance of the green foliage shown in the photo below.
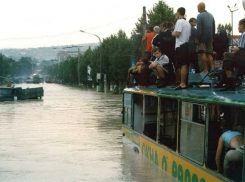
(112, 57)
(5, 66)
(226, 27)
(160, 13)
(24, 67)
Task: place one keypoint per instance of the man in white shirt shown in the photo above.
(182, 33)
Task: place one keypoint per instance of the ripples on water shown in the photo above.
(71, 135)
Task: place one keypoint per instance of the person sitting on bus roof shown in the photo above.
(144, 73)
(235, 59)
(133, 74)
(158, 67)
(232, 140)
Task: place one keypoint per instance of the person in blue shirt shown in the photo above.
(234, 141)
(236, 59)
(204, 36)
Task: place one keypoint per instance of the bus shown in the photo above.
(179, 130)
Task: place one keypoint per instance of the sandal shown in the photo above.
(180, 88)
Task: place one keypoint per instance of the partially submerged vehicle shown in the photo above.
(10, 94)
(179, 130)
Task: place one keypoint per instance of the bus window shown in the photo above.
(127, 117)
(192, 131)
(137, 112)
(168, 123)
(150, 118)
(232, 118)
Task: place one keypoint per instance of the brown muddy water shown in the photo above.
(70, 135)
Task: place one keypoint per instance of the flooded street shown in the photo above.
(70, 135)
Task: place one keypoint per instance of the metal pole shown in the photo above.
(232, 29)
(78, 66)
(101, 82)
(144, 20)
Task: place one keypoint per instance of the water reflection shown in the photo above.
(70, 135)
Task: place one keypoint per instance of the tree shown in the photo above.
(160, 13)
(226, 27)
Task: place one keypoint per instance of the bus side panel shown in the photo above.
(177, 167)
(132, 136)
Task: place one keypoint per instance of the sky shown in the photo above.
(43, 23)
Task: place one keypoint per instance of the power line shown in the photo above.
(67, 33)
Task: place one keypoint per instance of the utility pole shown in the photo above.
(232, 9)
(78, 66)
(144, 20)
(243, 3)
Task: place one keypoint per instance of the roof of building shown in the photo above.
(199, 95)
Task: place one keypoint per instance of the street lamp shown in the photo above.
(100, 54)
(232, 9)
(78, 63)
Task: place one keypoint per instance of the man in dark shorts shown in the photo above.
(204, 36)
(182, 33)
(192, 46)
(235, 59)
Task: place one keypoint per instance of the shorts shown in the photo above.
(205, 48)
(232, 61)
(232, 156)
(181, 56)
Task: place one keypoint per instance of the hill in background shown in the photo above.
(44, 53)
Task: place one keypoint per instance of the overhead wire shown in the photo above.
(67, 33)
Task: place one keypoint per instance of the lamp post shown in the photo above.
(78, 63)
(232, 9)
(100, 57)
(243, 3)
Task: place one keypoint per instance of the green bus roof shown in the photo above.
(198, 95)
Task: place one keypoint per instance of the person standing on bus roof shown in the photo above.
(149, 35)
(182, 33)
(192, 46)
(204, 36)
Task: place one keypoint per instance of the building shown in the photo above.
(64, 55)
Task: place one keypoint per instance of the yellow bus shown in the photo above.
(179, 130)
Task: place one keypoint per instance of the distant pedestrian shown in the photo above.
(192, 46)
(204, 36)
(182, 33)
(149, 35)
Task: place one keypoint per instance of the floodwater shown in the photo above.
(70, 135)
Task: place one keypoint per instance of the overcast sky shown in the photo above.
(22, 21)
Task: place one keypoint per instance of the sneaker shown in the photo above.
(230, 86)
(157, 81)
(163, 83)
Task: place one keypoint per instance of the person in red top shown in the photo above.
(149, 35)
